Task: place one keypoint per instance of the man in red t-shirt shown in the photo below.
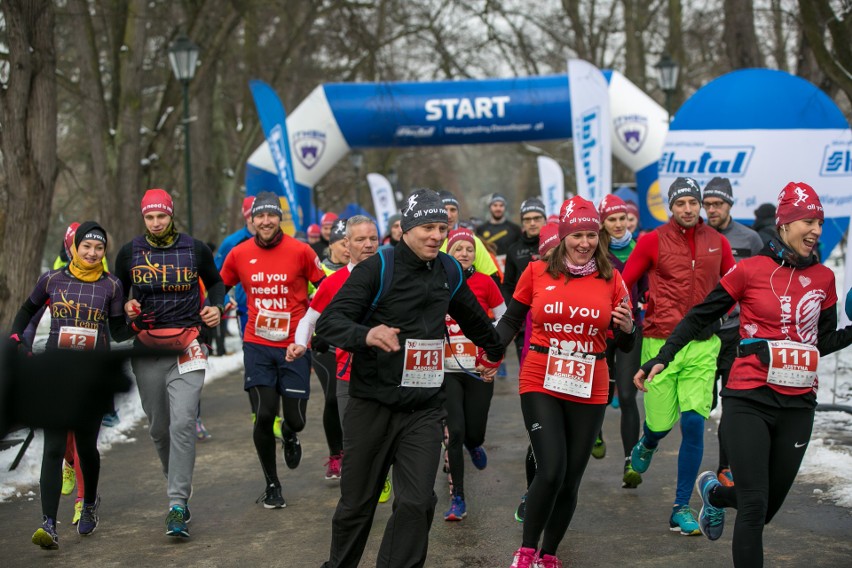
(275, 270)
(684, 260)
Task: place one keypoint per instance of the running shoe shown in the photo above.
(599, 449)
(69, 479)
(521, 511)
(176, 522)
(200, 431)
(615, 402)
(458, 509)
(711, 520)
(631, 478)
(725, 477)
(332, 467)
(386, 490)
(272, 498)
(683, 521)
(78, 510)
(276, 428)
(89, 517)
(547, 561)
(111, 419)
(292, 450)
(478, 457)
(46, 536)
(524, 558)
(640, 457)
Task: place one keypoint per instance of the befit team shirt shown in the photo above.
(573, 315)
(762, 287)
(325, 293)
(276, 282)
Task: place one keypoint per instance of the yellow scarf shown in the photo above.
(82, 270)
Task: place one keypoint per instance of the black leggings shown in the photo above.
(766, 446)
(467, 404)
(86, 440)
(562, 434)
(325, 366)
(265, 399)
(622, 367)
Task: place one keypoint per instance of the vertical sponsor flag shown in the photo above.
(552, 184)
(274, 121)
(847, 280)
(591, 126)
(383, 200)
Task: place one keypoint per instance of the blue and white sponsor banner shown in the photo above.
(273, 118)
(552, 183)
(847, 283)
(384, 203)
(762, 129)
(591, 126)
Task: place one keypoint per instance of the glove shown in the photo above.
(849, 304)
(19, 344)
(143, 322)
(481, 360)
(319, 345)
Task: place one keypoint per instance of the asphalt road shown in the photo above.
(611, 527)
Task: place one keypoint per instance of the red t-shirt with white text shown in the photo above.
(325, 293)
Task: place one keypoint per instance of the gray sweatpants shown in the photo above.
(170, 401)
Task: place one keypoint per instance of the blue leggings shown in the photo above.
(690, 454)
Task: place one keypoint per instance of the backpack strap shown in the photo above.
(454, 272)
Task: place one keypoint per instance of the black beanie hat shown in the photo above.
(423, 206)
(90, 230)
(683, 187)
(448, 198)
(765, 211)
(721, 188)
(533, 205)
(338, 230)
(266, 202)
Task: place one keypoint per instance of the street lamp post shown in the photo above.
(183, 55)
(667, 72)
(357, 160)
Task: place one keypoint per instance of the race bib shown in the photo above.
(459, 353)
(570, 373)
(424, 363)
(792, 364)
(77, 338)
(272, 326)
(193, 358)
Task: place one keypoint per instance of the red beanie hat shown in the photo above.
(460, 234)
(553, 219)
(578, 214)
(157, 200)
(548, 238)
(313, 230)
(328, 218)
(69, 238)
(797, 201)
(247, 203)
(611, 205)
(632, 208)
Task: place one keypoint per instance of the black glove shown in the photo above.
(143, 322)
(319, 345)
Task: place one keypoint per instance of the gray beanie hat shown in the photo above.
(683, 187)
(266, 202)
(720, 187)
(423, 206)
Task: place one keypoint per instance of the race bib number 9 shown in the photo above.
(77, 338)
(424, 363)
(272, 326)
(193, 358)
(459, 352)
(792, 364)
(570, 373)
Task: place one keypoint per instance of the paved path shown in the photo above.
(612, 526)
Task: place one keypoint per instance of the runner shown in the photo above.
(321, 247)
(788, 319)
(314, 232)
(394, 231)
(684, 259)
(394, 413)
(622, 365)
(275, 270)
(468, 398)
(483, 262)
(228, 243)
(498, 230)
(160, 272)
(717, 201)
(574, 297)
(83, 300)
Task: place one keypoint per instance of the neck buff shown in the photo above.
(273, 242)
(583, 270)
(622, 242)
(788, 255)
(82, 270)
(166, 239)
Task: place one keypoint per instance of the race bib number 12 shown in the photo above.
(193, 358)
(77, 338)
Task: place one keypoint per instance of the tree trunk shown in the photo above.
(674, 46)
(740, 37)
(634, 43)
(28, 141)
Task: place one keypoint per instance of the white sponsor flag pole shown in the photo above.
(383, 200)
(591, 125)
(552, 183)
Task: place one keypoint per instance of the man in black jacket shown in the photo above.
(395, 408)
